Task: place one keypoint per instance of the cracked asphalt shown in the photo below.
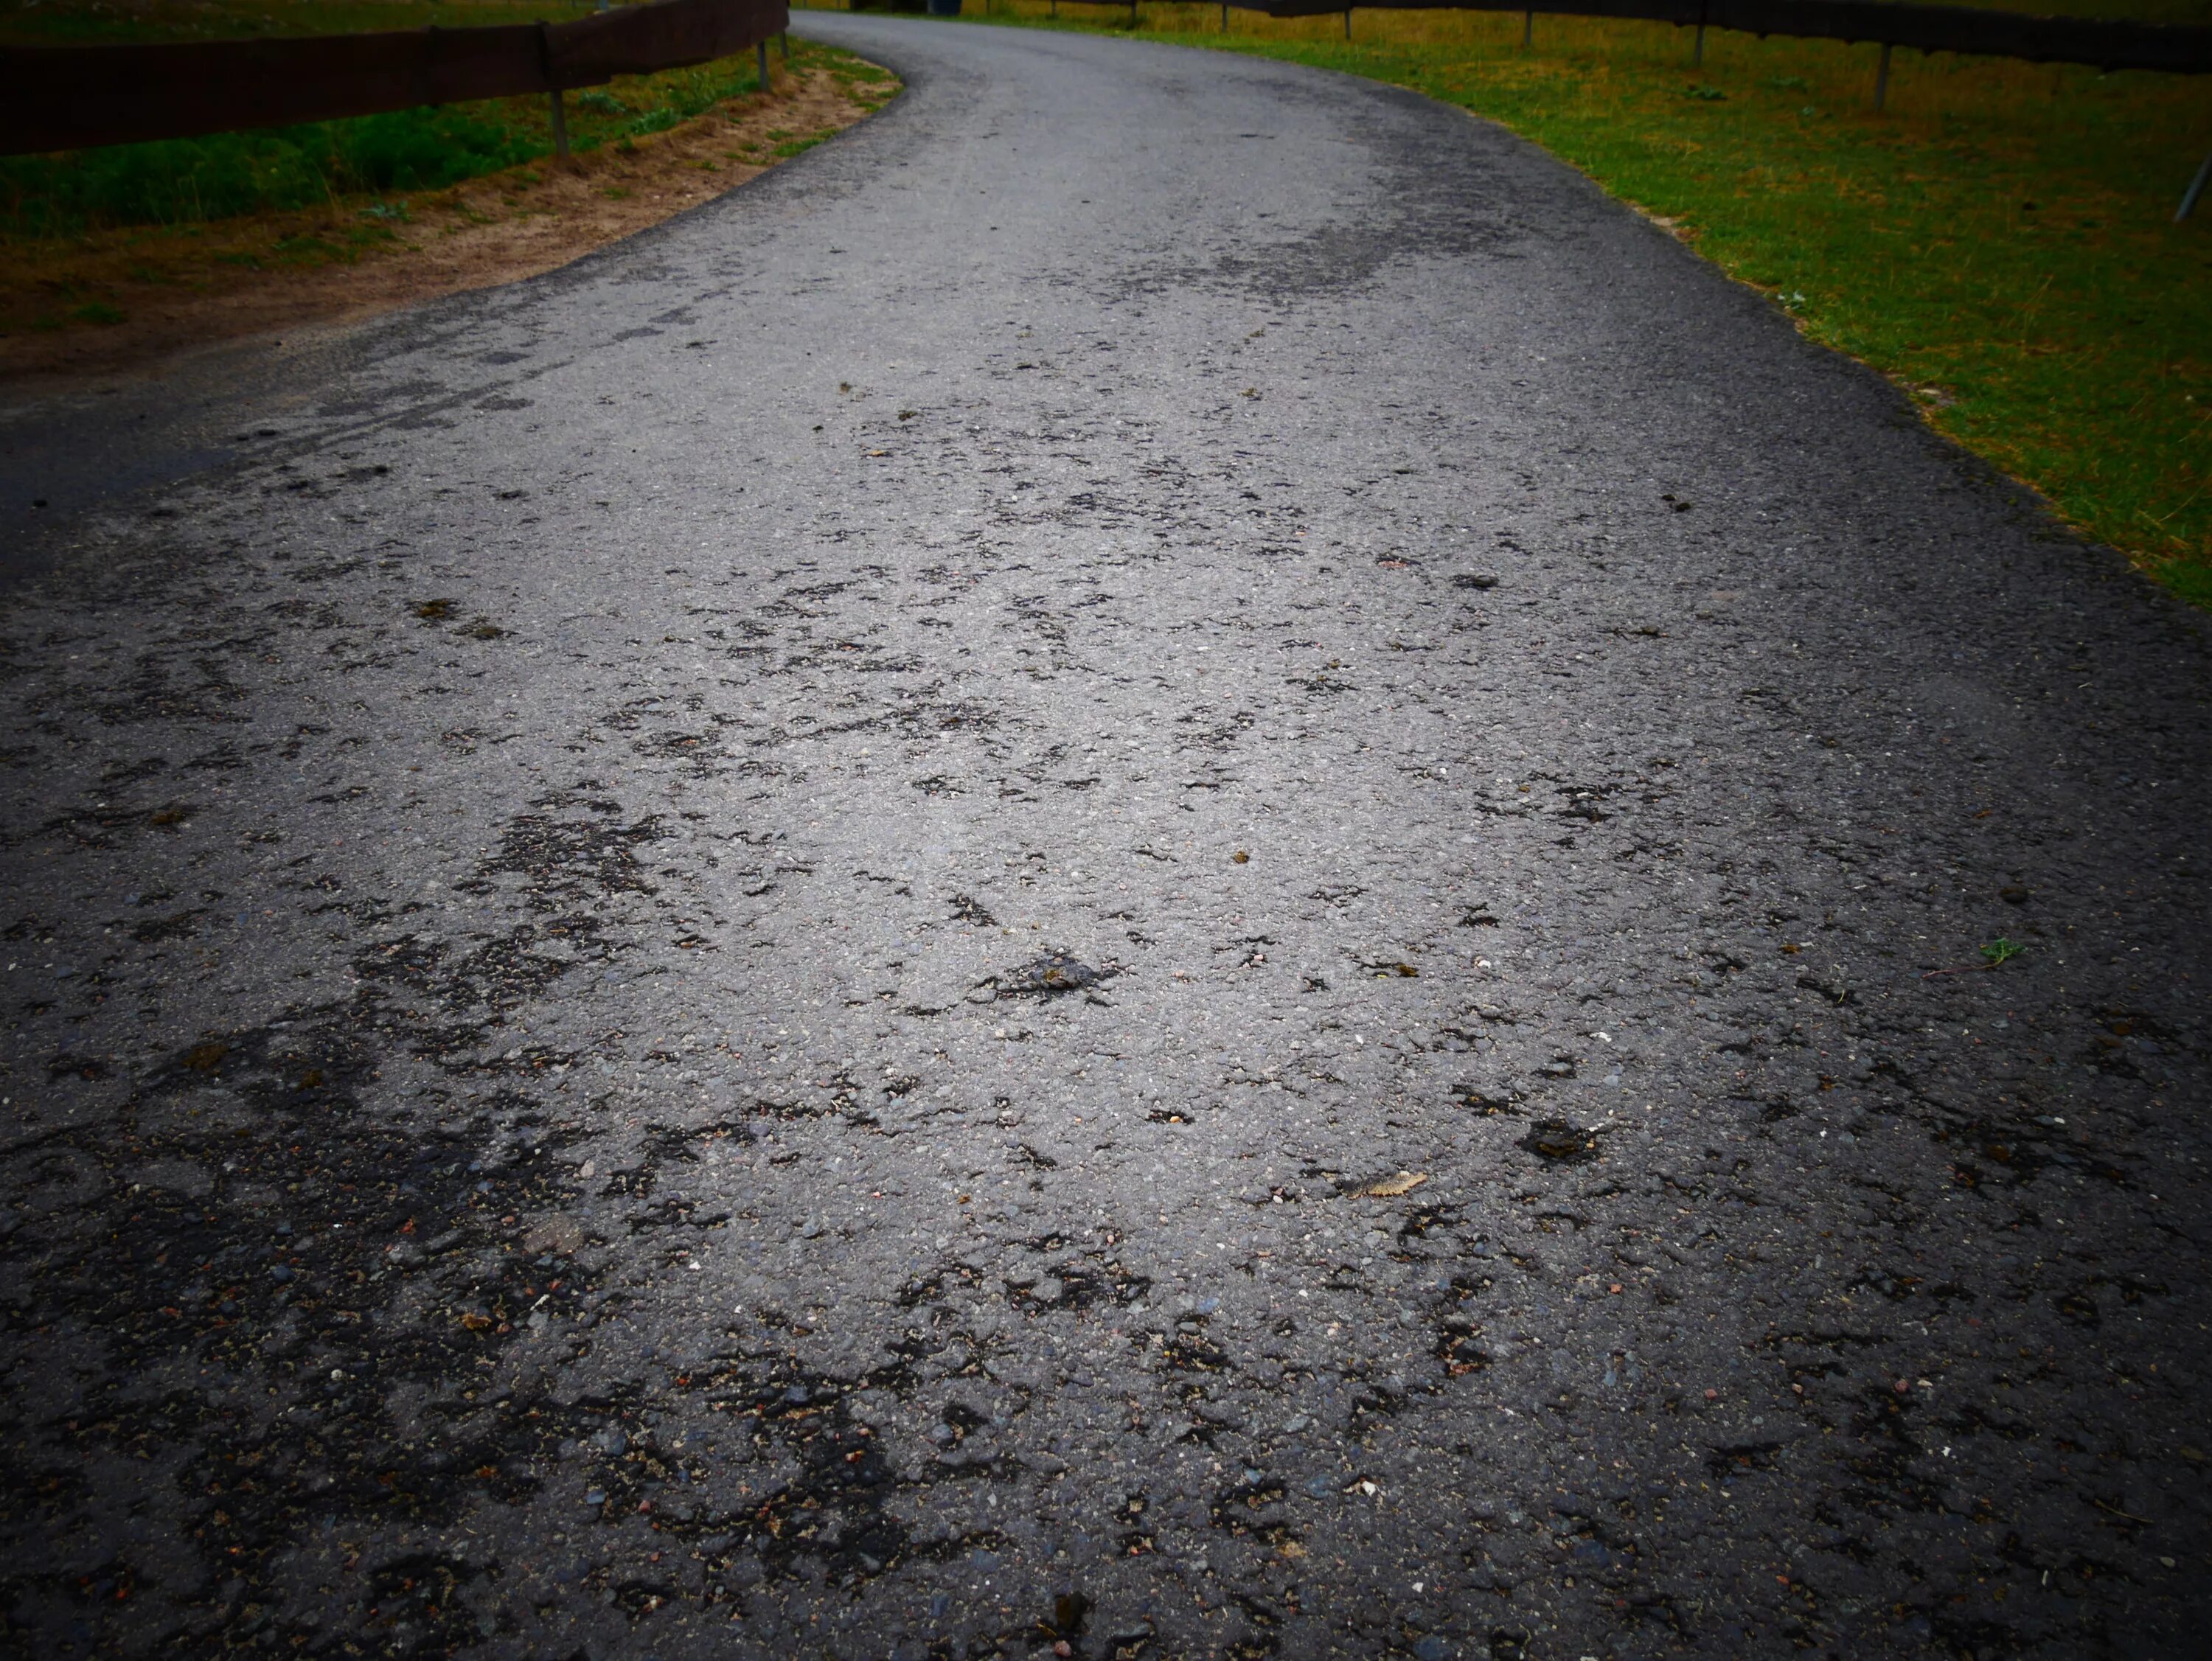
(1166, 862)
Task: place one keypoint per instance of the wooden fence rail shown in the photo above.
(62, 98)
(2178, 49)
(57, 98)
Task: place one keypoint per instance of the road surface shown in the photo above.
(1167, 860)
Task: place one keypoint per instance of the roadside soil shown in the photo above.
(183, 290)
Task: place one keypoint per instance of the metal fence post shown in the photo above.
(761, 50)
(2196, 188)
(1225, 17)
(1882, 79)
(1347, 22)
(1527, 30)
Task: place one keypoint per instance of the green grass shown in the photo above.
(175, 182)
(2000, 241)
(188, 180)
(85, 235)
(226, 175)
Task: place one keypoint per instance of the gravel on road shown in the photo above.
(1165, 863)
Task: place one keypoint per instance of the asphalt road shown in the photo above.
(1150, 862)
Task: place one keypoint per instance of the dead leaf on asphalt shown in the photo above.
(1390, 1187)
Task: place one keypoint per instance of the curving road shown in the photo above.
(1149, 863)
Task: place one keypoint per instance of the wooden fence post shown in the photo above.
(1882, 79)
(1527, 30)
(557, 113)
(762, 51)
(1347, 22)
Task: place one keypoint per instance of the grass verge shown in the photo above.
(121, 286)
(222, 175)
(1999, 241)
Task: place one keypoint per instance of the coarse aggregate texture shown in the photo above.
(1145, 865)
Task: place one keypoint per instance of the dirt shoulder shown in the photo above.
(171, 292)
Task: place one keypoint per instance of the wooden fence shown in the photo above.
(2105, 46)
(58, 98)
(61, 98)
